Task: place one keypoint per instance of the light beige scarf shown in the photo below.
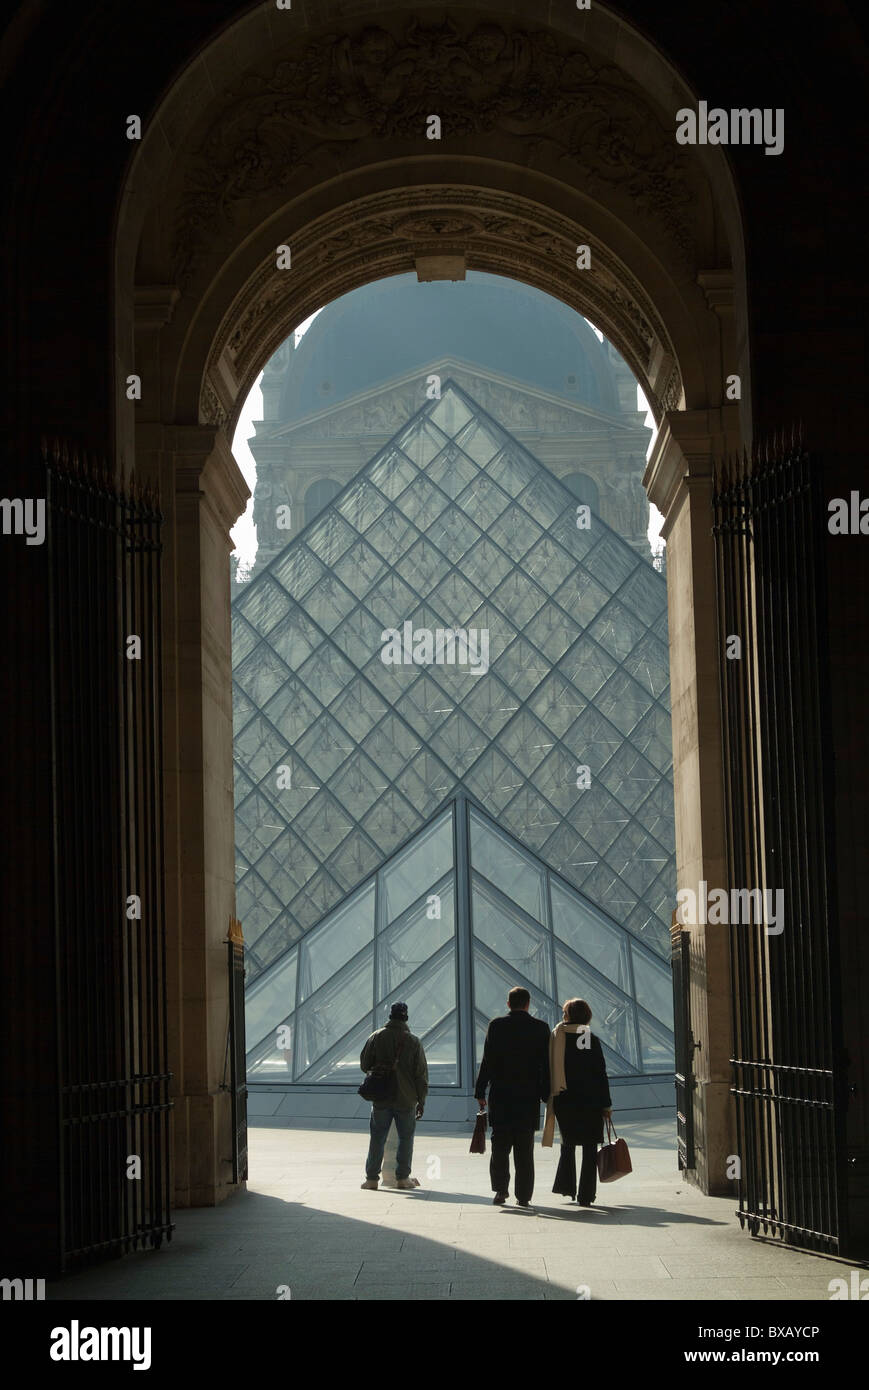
(557, 1080)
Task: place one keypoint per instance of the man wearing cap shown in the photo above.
(395, 1044)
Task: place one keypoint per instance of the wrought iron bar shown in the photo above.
(680, 964)
(768, 521)
(110, 979)
(237, 1051)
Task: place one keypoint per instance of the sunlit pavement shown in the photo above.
(305, 1230)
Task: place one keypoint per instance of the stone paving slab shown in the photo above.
(304, 1222)
(585, 1269)
(690, 1290)
(404, 1293)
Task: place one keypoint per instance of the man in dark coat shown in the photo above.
(515, 1067)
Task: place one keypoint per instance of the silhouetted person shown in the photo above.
(381, 1050)
(515, 1067)
(580, 1099)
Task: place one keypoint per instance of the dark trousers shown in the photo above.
(565, 1177)
(521, 1141)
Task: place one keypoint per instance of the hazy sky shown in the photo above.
(243, 533)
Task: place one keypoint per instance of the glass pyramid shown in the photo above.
(340, 758)
(455, 918)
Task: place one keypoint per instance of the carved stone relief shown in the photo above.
(211, 408)
(499, 233)
(627, 504)
(387, 413)
(588, 119)
(671, 397)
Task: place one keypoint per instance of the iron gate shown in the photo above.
(680, 963)
(787, 1051)
(236, 1048)
(104, 668)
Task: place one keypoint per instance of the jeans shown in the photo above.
(521, 1141)
(405, 1124)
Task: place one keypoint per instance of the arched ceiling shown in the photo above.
(311, 132)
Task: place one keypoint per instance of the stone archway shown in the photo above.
(458, 228)
(311, 134)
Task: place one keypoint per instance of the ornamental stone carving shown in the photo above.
(211, 409)
(385, 415)
(516, 410)
(502, 233)
(628, 505)
(671, 396)
(519, 411)
(588, 118)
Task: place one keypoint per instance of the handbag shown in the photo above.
(381, 1083)
(613, 1159)
(478, 1140)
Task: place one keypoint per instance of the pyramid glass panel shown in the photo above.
(361, 504)
(273, 1060)
(514, 873)
(324, 1019)
(614, 1018)
(492, 980)
(654, 986)
(244, 637)
(330, 945)
(588, 933)
(444, 627)
(494, 780)
(430, 994)
(340, 1064)
(531, 816)
(408, 943)
(525, 947)
(441, 1050)
(271, 998)
(425, 782)
(581, 596)
(424, 862)
(656, 1047)
(403, 934)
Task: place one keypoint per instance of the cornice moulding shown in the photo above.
(154, 305)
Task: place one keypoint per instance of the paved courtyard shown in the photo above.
(305, 1228)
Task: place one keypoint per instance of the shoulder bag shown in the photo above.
(381, 1083)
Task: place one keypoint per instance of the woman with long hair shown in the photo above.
(580, 1101)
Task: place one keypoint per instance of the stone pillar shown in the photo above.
(209, 496)
(678, 480)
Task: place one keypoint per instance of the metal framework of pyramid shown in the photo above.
(340, 759)
(449, 924)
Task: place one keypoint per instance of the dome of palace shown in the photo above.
(388, 328)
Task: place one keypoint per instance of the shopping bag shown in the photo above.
(613, 1159)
